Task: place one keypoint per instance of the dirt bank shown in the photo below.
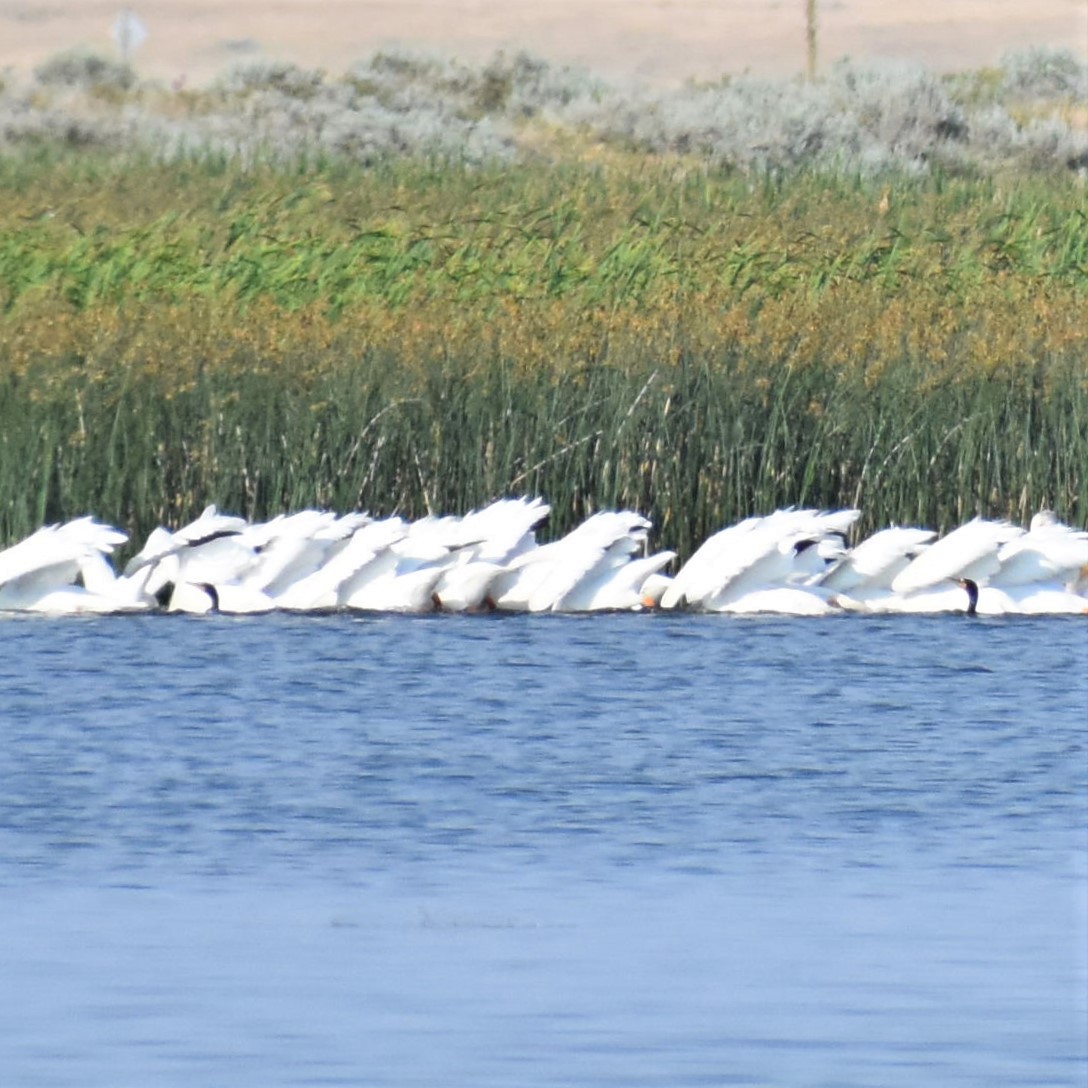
(663, 41)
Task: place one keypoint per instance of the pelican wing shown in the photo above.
(971, 551)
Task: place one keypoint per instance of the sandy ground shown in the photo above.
(662, 41)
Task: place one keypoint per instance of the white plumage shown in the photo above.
(789, 548)
(792, 562)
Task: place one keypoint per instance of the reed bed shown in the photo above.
(86, 232)
(285, 411)
(606, 328)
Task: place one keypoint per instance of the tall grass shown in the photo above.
(85, 232)
(416, 336)
(694, 438)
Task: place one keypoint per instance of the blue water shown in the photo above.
(535, 851)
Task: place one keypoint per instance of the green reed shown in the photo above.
(129, 232)
(412, 339)
(694, 445)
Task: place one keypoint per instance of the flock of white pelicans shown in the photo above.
(792, 562)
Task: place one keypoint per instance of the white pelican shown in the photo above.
(487, 541)
(786, 548)
(410, 591)
(971, 551)
(581, 571)
(630, 585)
(226, 597)
(1004, 569)
(290, 549)
(872, 565)
(587, 556)
(62, 569)
(206, 528)
(334, 562)
(791, 561)
(1048, 554)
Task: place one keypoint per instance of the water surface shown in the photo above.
(609, 850)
